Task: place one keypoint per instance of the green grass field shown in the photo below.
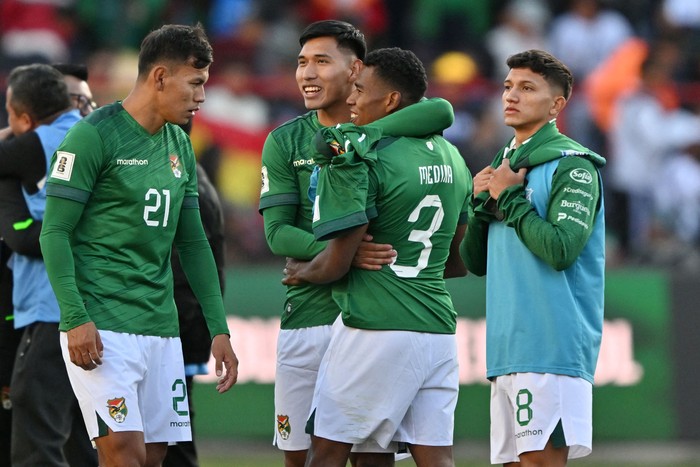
(265, 461)
(475, 454)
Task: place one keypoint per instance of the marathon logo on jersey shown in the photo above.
(175, 165)
(283, 426)
(581, 176)
(117, 409)
(63, 167)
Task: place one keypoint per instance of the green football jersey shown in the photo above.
(287, 163)
(416, 194)
(134, 186)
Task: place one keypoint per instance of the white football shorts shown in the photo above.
(140, 386)
(387, 386)
(526, 408)
(299, 355)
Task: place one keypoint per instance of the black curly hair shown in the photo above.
(400, 69)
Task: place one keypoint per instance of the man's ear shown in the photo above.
(393, 102)
(159, 74)
(557, 106)
(355, 69)
(25, 122)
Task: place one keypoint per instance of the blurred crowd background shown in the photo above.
(636, 94)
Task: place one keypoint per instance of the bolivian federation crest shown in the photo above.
(117, 409)
(337, 148)
(283, 426)
(175, 165)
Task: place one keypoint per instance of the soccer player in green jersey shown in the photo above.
(537, 231)
(328, 64)
(390, 372)
(122, 188)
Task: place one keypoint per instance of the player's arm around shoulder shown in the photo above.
(425, 117)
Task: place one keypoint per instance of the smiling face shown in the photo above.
(370, 99)
(529, 102)
(325, 75)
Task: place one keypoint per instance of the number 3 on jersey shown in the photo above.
(421, 236)
(154, 199)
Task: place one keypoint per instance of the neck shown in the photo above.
(331, 116)
(50, 118)
(141, 108)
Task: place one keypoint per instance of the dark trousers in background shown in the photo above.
(47, 425)
(9, 340)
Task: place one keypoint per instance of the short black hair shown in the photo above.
(177, 43)
(77, 70)
(346, 35)
(545, 64)
(401, 69)
(39, 90)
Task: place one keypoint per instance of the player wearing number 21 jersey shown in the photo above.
(122, 190)
(122, 266)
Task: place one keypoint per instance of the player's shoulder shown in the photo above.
(305, 122)
(104, 113)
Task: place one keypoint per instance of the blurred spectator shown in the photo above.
(612, 78)
(230, 98)
(455, 76)
(228, 17)
(520, 27)
(583, 37)
(649, 126)
(109, 24)
(586, 34)
(683, 18)
(276, 53)
(186, 11)
(603, 41)
(678, 199)
(682, 13)
(36, 30)
(445, 25)
(370, 16)
(75, 76)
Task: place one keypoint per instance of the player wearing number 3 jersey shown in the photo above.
(122, 188)
(390, 372)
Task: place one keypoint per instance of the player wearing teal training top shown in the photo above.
(538, 233)
(390, 372)
(122, 188)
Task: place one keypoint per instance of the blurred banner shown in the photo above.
(238, 174)
(635, 380)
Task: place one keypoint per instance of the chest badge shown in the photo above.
(175, 165)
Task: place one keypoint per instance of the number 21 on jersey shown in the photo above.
(154, 199)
